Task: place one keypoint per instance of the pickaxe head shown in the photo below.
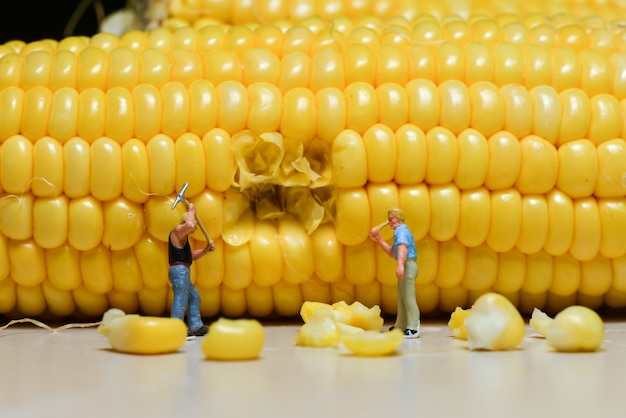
(180, 197)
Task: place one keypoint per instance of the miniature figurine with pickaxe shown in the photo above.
(186, 297)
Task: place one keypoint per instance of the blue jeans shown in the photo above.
(185, 296)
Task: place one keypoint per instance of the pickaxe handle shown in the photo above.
(380, 226)
(202, 228)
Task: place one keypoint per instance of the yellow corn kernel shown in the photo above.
(234, 339)
(47, 167)
(106, 169)
(328, 255)
(50, 221)
(210, 269)
(481, 268)
(7, 296)
(16, 221)
(445, 216)
(11, 105)
(372, 343)
(540, 322)
(4, 257)
(352, 220)
(123, 223)
(308, 308)
(95, 266)
(566, 278)
(473, 159)
(135, 334)
(27, 263)
(86, 223)
(59, 302)
(93, 67)
(11, 70)
(457, 323)
(135, 171)
(126, 271)
(16, 164)
(321, 330)
(452, 263)
(190, 163)
(152, 258)
(62, 267)
(91, 113)
(494, 324)
(152, 301)
(576, 328)
(586, 239)
(612, 224)
(175, 116)
(610, 165)
(288, 298)
(237, 267)
(30, 300)
(64, 114)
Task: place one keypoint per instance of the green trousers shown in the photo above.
(408, 316)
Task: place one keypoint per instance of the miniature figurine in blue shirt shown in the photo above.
(404, 252)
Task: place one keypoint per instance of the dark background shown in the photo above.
(31, 20)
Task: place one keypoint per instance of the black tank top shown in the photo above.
(179, 255)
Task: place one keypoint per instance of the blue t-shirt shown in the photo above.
(402, 235)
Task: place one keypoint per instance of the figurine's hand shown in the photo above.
(400, 272)
(375, 233)
(210, 246)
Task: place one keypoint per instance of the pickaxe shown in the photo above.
(180, 197)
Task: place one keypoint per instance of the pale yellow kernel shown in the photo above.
(576, 328)
(494, 324)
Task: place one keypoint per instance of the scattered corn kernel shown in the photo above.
(360, 315)
(576, 328)
(540, 322)
(234, 339)
(348, 329)
(321, 330)
(308, 308)
(137, 334)
(355, 315)
(457, 323)
(373, 343)
(494, 324)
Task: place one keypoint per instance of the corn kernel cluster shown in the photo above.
(499, 127)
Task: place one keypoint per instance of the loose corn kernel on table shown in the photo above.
(74, 373)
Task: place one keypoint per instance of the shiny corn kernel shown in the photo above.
(576, 328)
(320, 331)
(360, 315)
(457, 323)
(234, 339)
(373, 343)
(137, 334)
(540, 322)
(494, 324)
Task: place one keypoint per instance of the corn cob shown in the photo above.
(510, 173)
(241, 11)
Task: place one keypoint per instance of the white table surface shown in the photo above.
(74, 373)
